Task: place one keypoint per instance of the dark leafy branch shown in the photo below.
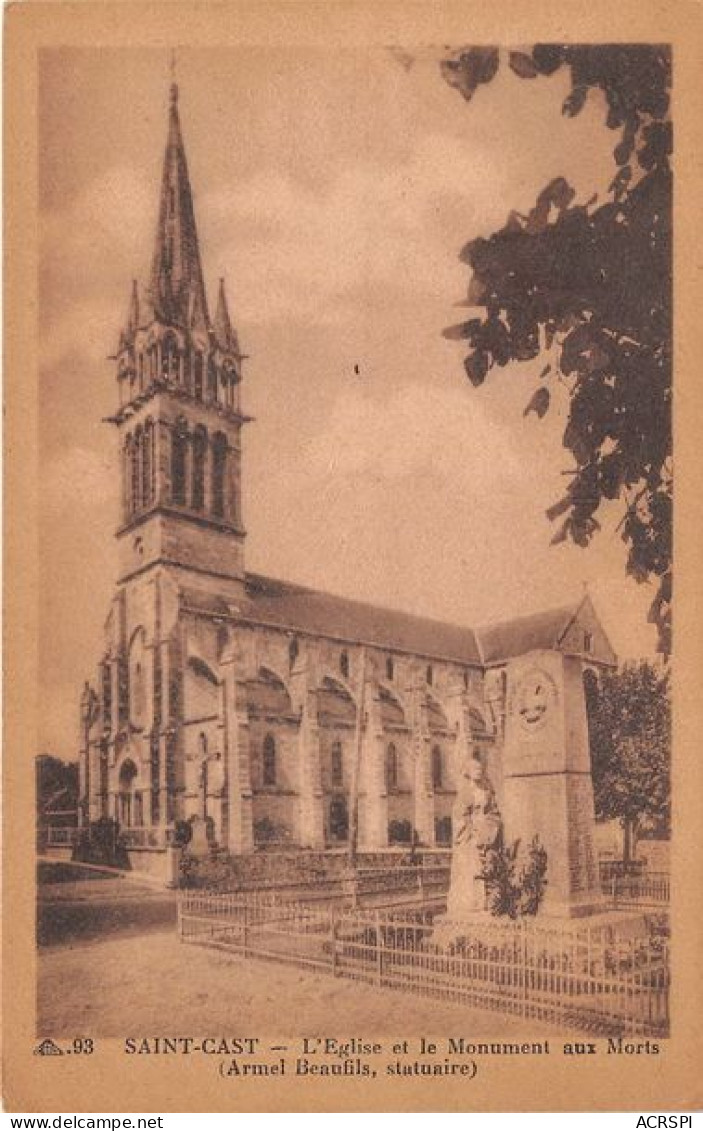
(589, 285)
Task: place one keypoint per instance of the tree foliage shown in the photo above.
(629, 725)
(56, 784)
(589, 285)
(509, 892)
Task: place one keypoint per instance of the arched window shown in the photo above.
(106, 694)
(127, 481)
(443, 830)
(591, 691)
(198, 376)
(337, 764)
(269, 761)
(137, 662)
(148, 463)
(429, 674)
(211, 380)
(136, 470)
(179, 448)
(199, 450)
(230, 380)
(293, 650)
(202, 744)
(391, 767)
(140, 371)
(169, 357)
(339, 819)
(437, 768)
(344, 664)
(219, 466)
(126, 810)
(390, 671)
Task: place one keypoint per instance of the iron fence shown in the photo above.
(578, 976)
(647, 889)
(61, 836)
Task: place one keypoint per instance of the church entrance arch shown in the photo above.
(129, 798)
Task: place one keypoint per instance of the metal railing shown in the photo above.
(648, 889)
(381, 886)
(580, 977)
(60, 837)
(137, 836)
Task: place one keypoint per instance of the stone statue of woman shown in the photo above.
(476, 822)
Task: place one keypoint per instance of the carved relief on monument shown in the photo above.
(534, 697)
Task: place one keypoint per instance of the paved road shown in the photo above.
(99, 907)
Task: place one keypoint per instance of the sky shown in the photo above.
(334, 190)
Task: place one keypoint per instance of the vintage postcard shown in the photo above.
(352, 754)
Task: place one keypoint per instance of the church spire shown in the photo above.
(224, 333)
(177, 290)
(133, 314)
(132, 324)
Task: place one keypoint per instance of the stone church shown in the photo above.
(284, 715)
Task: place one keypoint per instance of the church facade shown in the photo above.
(279, 714)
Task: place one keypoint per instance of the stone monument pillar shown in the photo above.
(548, 789)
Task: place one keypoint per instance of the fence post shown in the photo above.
(379, 951)
(523, 953)
(333, 942)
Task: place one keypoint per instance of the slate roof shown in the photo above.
(282, 604)
(294, 607)
(525, 634)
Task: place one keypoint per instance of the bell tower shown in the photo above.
(179, 417)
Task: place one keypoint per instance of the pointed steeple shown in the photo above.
(133, 313)
(224, 333)
(131, 325)
(177, 290)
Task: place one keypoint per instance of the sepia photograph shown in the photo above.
(355, 423)
(349, 551)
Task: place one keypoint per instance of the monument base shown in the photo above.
(594, 904)
(447, 931)
(608, 925)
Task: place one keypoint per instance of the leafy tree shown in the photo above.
(588, 285)
(629, 725)
(56, 785)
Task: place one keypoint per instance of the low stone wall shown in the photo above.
(160, 863)
(60, 853)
